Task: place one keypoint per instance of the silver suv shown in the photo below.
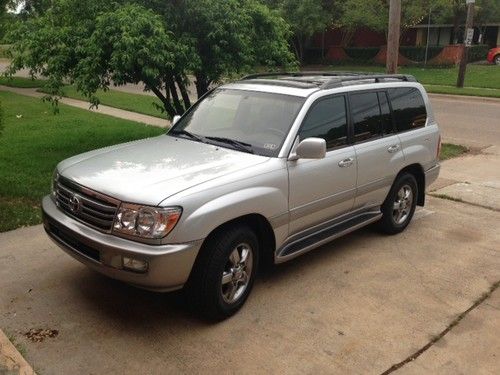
(259, 170)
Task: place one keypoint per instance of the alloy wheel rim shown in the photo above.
(402, 205)
(237, 273)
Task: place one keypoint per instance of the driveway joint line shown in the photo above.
(458, 200)
(438, 337)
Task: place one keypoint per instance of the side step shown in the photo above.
(325, 235)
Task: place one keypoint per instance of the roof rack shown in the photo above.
(337, 82)
(337, 78)
(297, 74)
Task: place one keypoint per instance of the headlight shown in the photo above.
(145, 221)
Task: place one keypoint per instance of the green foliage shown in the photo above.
(374, 14)
(34, 141)
(1, 117)
(305, 18)
(96, 44)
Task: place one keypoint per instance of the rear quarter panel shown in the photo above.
(420, 146)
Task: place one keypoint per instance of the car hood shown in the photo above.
(153, 169)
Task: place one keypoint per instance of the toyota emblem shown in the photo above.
(75, 204)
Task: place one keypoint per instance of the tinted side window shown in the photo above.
(387, 125)
(408, 108)
(327, 119)
(366, 116)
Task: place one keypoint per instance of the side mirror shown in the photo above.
(310, 148)
(175, 119)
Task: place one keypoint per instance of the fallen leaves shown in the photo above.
(40, 334)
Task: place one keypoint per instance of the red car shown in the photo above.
(494, 56)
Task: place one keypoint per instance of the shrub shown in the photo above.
(417, 54)
(362, 53)
(478, 52)
(314, 56)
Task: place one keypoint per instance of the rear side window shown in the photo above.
(387, 124)
(327, 119)
(366, 116)
(408, 108)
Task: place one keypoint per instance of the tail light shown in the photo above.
(438, 148)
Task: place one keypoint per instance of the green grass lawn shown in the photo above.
(113, 98)
(480, 80)
(449, 150)
(34, 140)
(21, 82)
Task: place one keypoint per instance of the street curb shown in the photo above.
(465, 97)
(11, 361)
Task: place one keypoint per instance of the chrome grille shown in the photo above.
(88, 206)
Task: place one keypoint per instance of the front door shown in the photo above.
(323, 189)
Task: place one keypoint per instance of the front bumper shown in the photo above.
(168, 268)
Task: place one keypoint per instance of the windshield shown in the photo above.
(249, 121)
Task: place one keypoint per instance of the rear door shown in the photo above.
(378, 148)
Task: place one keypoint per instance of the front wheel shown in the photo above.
(400, 204)
(223, 275)
(497, 59)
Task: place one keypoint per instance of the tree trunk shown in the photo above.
(175, 97)
(299, 48)
(166, 102)
(202, 84)
(182, 88)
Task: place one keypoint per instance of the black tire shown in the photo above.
(496, 60)
(391, 223)
(205, 291)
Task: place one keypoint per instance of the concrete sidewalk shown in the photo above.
(110, 111)
(473, 179)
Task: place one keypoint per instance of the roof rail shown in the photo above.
(338, 78)
(297, 74)
(337, 82)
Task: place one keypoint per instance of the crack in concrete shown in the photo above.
(459, 200)
(438, 337)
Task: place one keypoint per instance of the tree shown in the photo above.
(161, 43)
(305, 17)
(374, 14)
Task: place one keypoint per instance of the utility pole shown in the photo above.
(393, 36)
(469, 35)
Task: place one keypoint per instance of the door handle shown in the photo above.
(346, 162)
(392, 149)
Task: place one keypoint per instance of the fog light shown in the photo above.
(136, 265)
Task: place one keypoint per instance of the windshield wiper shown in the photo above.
(242, 146)
(190, 135)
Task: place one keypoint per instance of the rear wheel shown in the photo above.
(400, 204)
(223, 275)
(497, 59)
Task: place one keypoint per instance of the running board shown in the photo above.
(316, 239)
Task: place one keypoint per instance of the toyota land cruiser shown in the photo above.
(262, 169)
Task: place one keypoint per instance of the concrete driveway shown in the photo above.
(358, 305)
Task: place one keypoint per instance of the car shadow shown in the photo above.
(136, 309)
